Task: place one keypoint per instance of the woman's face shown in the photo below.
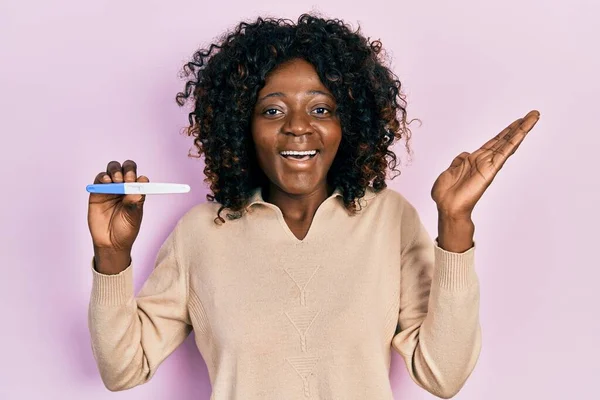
(295, 112)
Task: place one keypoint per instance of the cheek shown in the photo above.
(258, 138)
(334, 137)
(263, 146)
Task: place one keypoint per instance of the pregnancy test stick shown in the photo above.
(138, 188)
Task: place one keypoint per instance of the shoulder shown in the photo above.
(197, 222)
(201, 213)
(390, 204)
(389, 200)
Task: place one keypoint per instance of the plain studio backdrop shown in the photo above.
(83, 83)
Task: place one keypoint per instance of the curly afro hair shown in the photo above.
(224, 81)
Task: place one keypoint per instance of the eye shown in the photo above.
(321, 110)
(271, 111)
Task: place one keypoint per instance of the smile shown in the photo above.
(299, 158)
(298, 154)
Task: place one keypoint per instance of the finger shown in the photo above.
(102, 177)
(524, 126)
(130, 171)
(114, 170)
(136, 200)
(530, 120)
(490, 143)
(509, 143)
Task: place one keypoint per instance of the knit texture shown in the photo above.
(277, 318)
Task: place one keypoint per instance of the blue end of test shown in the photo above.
(106, 188)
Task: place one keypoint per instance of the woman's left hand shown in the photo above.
(457, 190)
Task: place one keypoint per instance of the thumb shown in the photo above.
(459, 159)
(136, 200)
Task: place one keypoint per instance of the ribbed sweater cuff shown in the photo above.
(454, 271)
(112, 290)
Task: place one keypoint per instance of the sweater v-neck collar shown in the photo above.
(257, 198)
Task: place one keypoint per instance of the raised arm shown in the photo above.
(131, 335)
(439, 334)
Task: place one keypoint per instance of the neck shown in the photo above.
(297, 207)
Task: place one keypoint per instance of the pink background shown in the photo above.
(83, 83)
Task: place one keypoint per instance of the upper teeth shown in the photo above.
(299, 153)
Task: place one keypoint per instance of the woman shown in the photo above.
(303, 270)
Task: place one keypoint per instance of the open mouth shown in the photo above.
(299, 155)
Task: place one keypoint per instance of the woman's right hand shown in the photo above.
(114, 219)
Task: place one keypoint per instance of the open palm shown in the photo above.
(457, 190)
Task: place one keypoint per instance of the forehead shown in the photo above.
(294, 75)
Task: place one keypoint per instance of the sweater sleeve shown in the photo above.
(439, 334)
(131, 335)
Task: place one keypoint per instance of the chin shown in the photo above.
(299, 188)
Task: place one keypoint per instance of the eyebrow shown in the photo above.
(310, 92)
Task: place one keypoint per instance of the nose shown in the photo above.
(297, 123)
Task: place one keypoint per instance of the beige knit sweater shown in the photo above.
(280, 318)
